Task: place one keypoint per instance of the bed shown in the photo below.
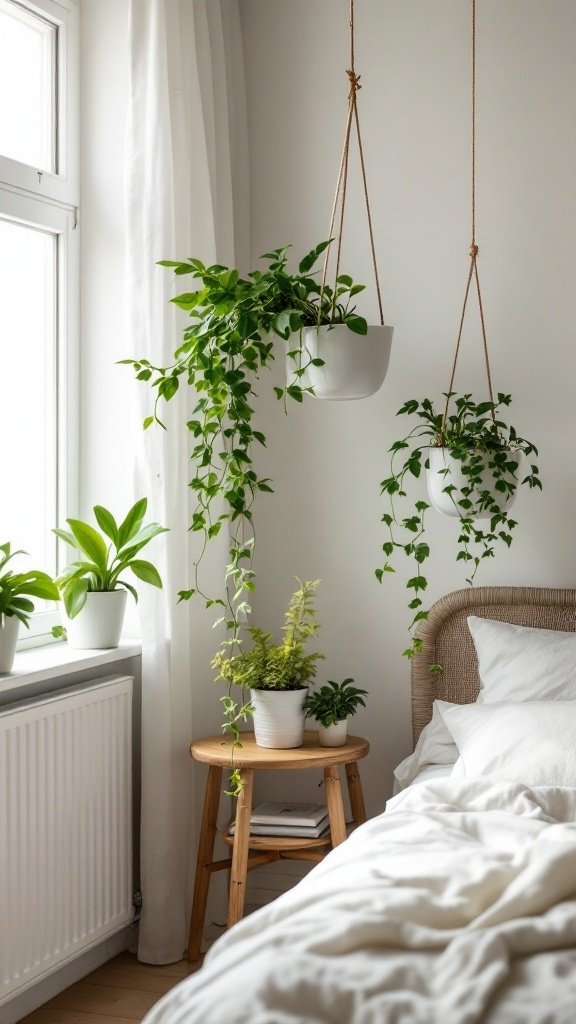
(458, 904)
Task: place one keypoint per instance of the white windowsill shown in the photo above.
(54, 661)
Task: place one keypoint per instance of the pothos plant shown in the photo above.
(225, 347)
(483, 447)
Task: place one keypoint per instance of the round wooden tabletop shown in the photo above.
(217, 750)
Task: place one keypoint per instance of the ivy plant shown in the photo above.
(227, 344)
(482, 444)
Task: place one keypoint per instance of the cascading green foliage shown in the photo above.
(269, 666)
(482, 443)
(335, 702)
(108, 555)
(16, 588)
(225, 348)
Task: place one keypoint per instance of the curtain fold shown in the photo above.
(186, 194)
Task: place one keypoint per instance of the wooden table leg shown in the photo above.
(355, 791)
(240, 850)
(205, 856)
(335, 805)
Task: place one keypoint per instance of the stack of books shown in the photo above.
(301, 821)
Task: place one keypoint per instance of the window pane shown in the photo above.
(27, 87)
(28, 417)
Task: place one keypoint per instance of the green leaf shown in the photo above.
(147, 572)
(89, 540)
(132, 522)
(106, 522)
(75, 597)
(309, 260)
(357, 324)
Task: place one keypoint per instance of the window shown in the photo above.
(38, 279)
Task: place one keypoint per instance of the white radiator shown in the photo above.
(65, 827)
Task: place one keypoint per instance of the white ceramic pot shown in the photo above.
(278, 717)
(99, 624)
(333, 735)
(8, 639)
(355, 365)
(446, 471)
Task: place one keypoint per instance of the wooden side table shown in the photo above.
(215, 751)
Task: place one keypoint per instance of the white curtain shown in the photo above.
(186, 195)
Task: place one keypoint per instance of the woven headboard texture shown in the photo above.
(447, 640)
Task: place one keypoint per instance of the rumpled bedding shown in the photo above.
(457, 905)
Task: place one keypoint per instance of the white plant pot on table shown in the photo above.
(355, 365)
(99, 623)
(278, 717)
(8, 640)
(446, 471)
(333, 735)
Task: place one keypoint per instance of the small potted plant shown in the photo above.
(93, 588)
(332, 705)
(473, 460)
(277, 675)
(16, 589)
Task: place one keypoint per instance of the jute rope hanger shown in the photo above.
(473, 270)
(342, 181)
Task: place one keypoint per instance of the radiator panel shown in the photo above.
(65, 828)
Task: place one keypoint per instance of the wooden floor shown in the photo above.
(120, 992)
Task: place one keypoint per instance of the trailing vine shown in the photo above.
(225, 348)
(483, 446)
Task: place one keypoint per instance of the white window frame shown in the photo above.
(40, 199)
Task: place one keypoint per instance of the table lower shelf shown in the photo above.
(286, 842)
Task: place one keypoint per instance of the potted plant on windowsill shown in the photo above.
(93, 589)
(331, 706)
(16, 589)
(473, 459)
(277, 675)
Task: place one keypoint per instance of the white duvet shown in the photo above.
(457, 905)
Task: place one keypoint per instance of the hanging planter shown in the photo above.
(471, 456)
(332, 362)
(342, 365)
(479, 484)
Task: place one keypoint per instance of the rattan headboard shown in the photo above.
(447, 639)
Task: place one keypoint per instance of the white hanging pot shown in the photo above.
(446, 471)
(278, 717)
(99, 623)
(8, 639)
(333, 735)
(355, 365)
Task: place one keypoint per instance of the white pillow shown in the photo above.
(435, 746)
(518, 663)
(532, 742)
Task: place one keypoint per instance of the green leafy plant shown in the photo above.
(108, 555)
(16, 589)
(483, 446)
(334, 702)
(224, 350)
(269, 666)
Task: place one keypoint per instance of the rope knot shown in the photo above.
(354, 80)
(473, 251)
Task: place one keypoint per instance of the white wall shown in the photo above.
(327, 459)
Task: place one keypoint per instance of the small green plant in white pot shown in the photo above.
(16, 589)
(93, 588)
(332, 705)
(277, 675)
